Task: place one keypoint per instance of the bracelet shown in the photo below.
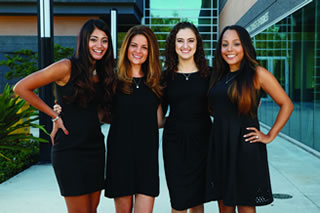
(53, 120)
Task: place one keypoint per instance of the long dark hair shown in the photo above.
(244, 89)
(151, 67)
(83, 84)
(171, 63)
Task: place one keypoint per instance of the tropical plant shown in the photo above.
(15, 117)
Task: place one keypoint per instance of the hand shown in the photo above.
(57, 108)
(256, 136)
(56, 125)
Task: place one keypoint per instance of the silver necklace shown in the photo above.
(231, 78)
(137, 84)
(94, 72)
(186, 75)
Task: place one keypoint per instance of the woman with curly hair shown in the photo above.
(133, 139)
(186, 131)
(238, 165)
(84, 84)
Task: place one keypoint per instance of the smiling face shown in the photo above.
(98, 44)
(138, 50)
(232, 50)
(186, 44)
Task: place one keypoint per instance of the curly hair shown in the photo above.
(244, 90)
(151, 67)
(84, 86)
(171, 62)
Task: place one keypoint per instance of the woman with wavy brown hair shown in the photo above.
(186, 131)
(238, 174)
(132, 150)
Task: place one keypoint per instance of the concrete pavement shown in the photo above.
(295, 179)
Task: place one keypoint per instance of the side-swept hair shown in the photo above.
(244, 89)
(151, 67)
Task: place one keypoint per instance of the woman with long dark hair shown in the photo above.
(186, 131)
(84, 84)
(238, 174)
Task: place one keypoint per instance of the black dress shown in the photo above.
(78, 159)
(185, 139)
(237, 170)
(133, 143)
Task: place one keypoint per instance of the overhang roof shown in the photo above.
(130, 12)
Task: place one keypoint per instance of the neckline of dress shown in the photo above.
(187, 73)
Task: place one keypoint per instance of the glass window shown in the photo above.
(290, 50)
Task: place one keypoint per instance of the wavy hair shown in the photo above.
(244, 89)
(151, 67)
(83, 84)
(171, 63)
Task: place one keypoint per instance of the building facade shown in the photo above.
(285, 34)
(290, 50)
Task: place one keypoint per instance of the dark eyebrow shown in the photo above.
(106, 37)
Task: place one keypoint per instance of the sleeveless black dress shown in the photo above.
(238, 171)
(185, 139)
(78, 159)
(133, 143)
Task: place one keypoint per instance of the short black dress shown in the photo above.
(133, 144)
(185, 139)
(78, 159)
(238, 171)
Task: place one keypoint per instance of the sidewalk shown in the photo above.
(295, 179)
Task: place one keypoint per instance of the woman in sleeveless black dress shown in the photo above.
(238, 174)
(132, 144)
(84, 84)
(186, 131)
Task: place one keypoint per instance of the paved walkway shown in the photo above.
(295, 178)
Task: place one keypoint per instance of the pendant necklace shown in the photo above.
(94, 72)
(231, 78)
(186, 75)
(137, 84)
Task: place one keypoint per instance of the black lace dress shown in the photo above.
(238, 171)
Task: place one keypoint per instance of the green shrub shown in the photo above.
(17, 148)
(24, 62)
(20, 159)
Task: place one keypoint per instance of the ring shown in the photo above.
(257, 136)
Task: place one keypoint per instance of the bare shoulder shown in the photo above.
(63, 68)
(63, 64)
(264, 75)
(261, 71)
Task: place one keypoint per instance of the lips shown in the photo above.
(185, 51)
(97, 51)
(136, 56)
(231, 56)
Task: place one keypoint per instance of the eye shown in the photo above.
(237, 44)
(179, 40)
(105, 41)
(93, 39)
(145, 47)
(224, 45)
(191, 40)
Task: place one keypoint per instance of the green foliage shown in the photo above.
(62, 52)
(13, 118)
(24, 62)
(18, 159)
(21, 63)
